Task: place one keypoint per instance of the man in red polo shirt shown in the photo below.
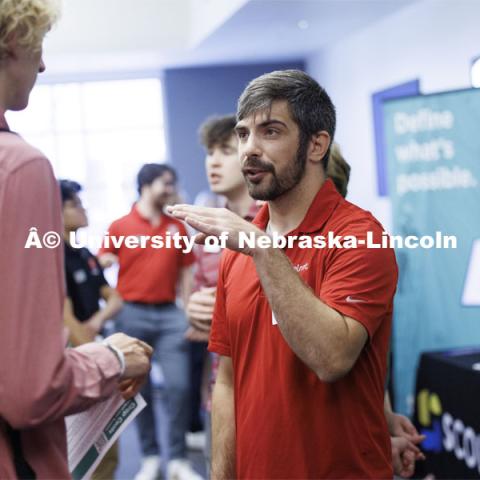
(148, 279)
(303, 332)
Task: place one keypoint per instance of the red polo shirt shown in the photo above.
(289, 424)
(148, 275)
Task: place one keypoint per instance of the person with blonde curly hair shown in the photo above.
(23, 25)
(40, 380)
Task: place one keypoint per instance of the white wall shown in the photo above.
(433, 40)
(207, 16)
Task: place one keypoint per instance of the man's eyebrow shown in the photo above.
(270, 122)
(266, 123)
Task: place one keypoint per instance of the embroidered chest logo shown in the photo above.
(301, 268)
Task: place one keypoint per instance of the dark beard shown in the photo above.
(280, 185)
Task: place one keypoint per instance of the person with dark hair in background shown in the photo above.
(40, 380)
(303, 333)
(217, 135)
(86, 286)
(218, 139)
(147, 281)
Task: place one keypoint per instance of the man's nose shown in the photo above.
(215, 159)
(251, 148)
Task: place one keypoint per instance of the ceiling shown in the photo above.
(97, 36)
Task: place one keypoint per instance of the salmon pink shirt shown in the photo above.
(40, 380)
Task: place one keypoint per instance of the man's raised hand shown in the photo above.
(218, 222)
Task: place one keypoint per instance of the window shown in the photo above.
(99, 134)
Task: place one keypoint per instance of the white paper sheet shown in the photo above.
(90, 434)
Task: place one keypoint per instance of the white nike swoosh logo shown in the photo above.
(350, 299)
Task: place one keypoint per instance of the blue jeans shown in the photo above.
(208, 444)
(162, 327)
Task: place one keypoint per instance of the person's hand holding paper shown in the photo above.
(137, 355)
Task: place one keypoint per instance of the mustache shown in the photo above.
(256, 163)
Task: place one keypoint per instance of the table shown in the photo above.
(447, 411)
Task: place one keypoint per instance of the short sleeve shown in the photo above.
(108, 247)
(360, 282)
(102, 281)
(219, 336)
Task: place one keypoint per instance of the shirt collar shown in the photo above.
(320, 210)
(135, 213)
(252, 212)
(139, 216)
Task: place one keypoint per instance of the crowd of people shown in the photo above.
(288, 348)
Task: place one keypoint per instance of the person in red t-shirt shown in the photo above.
(147, 281)
(303, 333)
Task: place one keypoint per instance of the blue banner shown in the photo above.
(433, 156)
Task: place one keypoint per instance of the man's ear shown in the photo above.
(318, 146)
